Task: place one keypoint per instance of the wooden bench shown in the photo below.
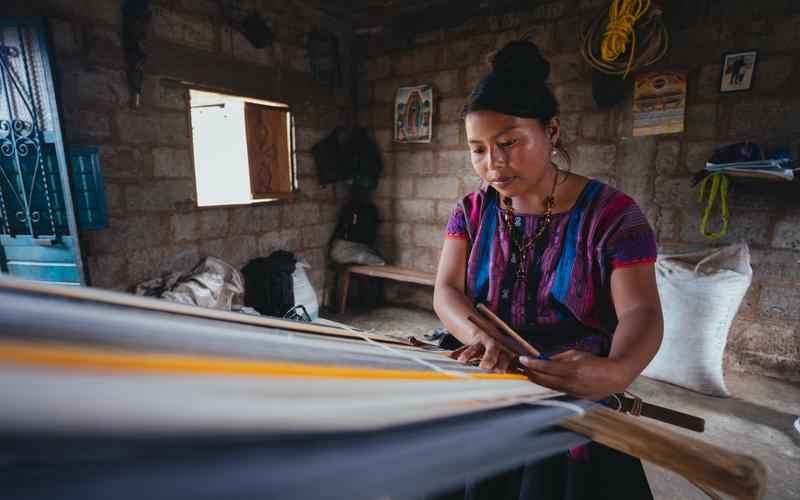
(386, 272)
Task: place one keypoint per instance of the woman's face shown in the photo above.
(511, 154)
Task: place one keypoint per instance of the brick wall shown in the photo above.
(146, 153)
(423, 180)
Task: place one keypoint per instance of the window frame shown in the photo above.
(292, 144)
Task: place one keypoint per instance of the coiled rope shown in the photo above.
(607, 37)
(622, 16)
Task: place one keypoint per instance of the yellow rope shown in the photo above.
(719, 188)
(93, 359)
(622, 16)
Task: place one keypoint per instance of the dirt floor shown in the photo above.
(757, 420)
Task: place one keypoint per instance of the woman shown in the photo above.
(565, 260)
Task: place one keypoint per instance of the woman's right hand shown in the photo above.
(458, 313)
(493, 355)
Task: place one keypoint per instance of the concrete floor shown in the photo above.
(757, 420)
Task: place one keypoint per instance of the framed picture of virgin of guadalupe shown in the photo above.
(413, 114)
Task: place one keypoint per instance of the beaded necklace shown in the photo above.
(520, 245)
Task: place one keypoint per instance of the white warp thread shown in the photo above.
(407, 355)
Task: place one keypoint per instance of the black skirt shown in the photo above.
(606, 474)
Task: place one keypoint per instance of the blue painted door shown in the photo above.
(38, 230)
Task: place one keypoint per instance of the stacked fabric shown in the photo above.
(776, 169)
(747, 159)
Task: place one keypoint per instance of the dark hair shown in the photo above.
(516, 84)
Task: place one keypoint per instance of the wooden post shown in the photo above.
(344, 285)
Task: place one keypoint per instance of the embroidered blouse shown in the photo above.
(565, 302)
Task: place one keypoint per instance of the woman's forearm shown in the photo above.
(636, 341)
(454, 308)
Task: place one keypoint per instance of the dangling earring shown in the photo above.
(553, 156)
(561, 161)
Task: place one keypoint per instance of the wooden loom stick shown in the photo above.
(494, 319)
(152, 304)
(505, 345)
(738, 475)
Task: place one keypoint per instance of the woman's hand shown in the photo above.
(493, 355)
(458, 313)
(578, 374)
(635, 342)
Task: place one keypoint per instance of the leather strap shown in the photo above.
(636, 407)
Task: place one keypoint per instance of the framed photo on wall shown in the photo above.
(738, 69)
(413, 114)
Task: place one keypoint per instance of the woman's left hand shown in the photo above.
(576, 373)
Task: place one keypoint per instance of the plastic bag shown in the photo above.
(213, 283)
(351, 252)
(304, 294)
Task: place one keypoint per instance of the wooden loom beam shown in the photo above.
(738, 475)
(152, 304)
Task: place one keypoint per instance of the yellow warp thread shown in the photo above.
(92, 359)
(622, 17)
(719, 188)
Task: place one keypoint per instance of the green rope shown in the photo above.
(719, 187)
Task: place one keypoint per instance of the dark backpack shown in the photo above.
(345, 155)
(358, 221)
(268, 283)
(363, 159)
(328, 158)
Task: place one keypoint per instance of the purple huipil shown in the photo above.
(565, 301)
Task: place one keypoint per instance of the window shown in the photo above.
(242, 149)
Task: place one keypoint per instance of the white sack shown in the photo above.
(700, 294)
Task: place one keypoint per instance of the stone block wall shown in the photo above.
(424, 180)
(146, 153)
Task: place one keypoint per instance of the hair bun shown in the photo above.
(520, 59)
